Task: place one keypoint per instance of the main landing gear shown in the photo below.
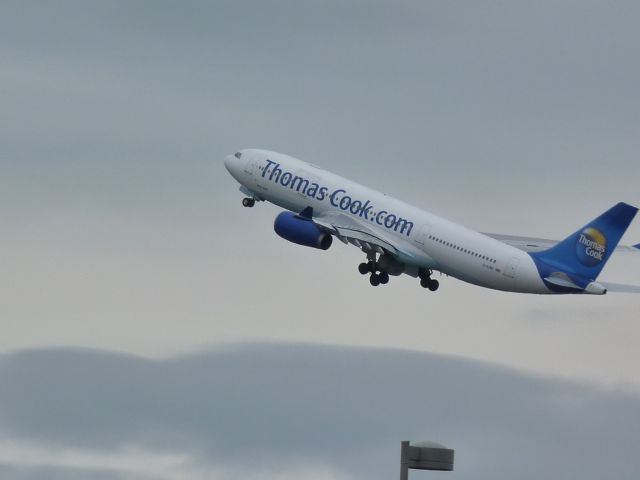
(377, 277)
(248, 202)
(379, 274)
(427, 282)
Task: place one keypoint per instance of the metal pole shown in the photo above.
(404, 460)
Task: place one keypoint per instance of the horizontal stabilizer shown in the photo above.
(536, 244)
(621, 288)
(561, 280)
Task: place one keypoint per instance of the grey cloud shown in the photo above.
(262, 403)
(11, 472)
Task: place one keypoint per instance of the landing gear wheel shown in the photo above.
(383, 277)
(373, 266)
(424, 282)
(374, 280)
(433, 285)
(363, 268)
(248, 202)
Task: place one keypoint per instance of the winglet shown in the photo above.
(637, 246)
(306, 214)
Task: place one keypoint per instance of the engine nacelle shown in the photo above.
(303, 232)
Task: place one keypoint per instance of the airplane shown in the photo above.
(398, 238)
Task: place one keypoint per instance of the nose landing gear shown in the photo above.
(248, 202)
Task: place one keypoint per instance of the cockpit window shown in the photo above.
(237, 154)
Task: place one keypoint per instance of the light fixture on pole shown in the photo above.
(424, 456)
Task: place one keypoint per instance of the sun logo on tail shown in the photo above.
(591, 246)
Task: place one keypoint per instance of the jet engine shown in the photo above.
(301, 231)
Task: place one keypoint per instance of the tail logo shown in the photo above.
(591, 246)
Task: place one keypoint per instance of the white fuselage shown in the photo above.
(426, 240)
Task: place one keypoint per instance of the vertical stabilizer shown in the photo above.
(583, 254)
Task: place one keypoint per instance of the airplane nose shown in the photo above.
(234, 163)
(228, 162)
(231, 163)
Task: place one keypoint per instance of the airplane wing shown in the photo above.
(367, 237)
(350, 230)
(620, 288)
(534, 244)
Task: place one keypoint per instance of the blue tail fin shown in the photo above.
(586, 251)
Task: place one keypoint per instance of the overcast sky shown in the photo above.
(122, 231)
